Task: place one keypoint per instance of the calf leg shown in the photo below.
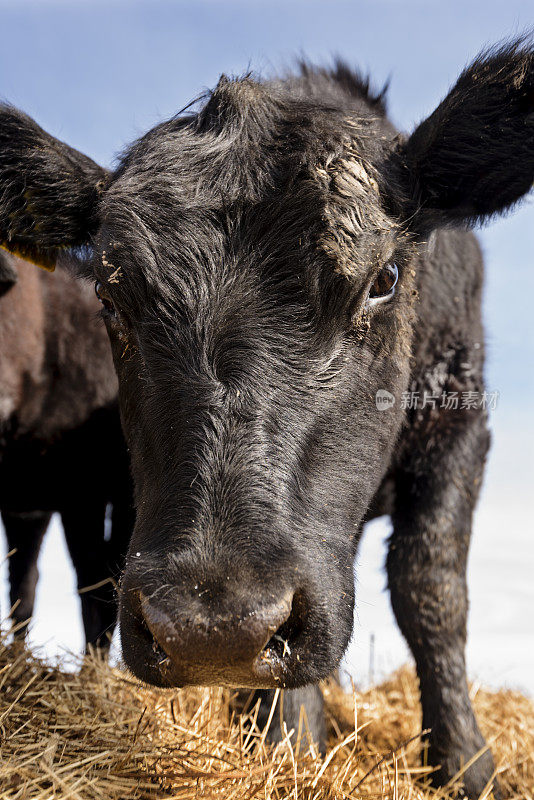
(24, 533)
(293, 705)
(84, 533)
(426, 564)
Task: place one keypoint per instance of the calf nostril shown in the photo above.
(191, 634)
(282, 641)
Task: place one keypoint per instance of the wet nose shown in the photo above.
(204, 645)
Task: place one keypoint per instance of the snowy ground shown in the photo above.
(501, 625)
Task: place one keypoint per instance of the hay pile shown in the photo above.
(98, 734)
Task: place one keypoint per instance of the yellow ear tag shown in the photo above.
(45, 263)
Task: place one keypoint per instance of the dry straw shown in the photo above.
(99, 734)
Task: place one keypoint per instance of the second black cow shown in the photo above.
(61, 445)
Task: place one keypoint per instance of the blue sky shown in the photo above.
(98, 74)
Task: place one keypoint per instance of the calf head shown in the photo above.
(257, 266)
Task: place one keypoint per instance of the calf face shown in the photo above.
(237, 312)
(257, 265)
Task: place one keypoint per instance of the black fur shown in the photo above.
(235, 247)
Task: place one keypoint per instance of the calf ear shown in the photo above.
(474, 156)
(48, 191)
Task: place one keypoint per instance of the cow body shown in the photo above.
(269, 265)
(61, 444)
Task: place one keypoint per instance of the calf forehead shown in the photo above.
(253, 171)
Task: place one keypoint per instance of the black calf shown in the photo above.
(271, 266)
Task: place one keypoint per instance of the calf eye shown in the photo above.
(383, 288)
(102, 294)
